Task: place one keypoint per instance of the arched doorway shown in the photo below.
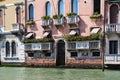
(114, 14)
(60, 58)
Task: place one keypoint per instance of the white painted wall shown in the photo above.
(19, 48)
(109, 38)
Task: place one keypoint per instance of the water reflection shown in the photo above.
(12, 73)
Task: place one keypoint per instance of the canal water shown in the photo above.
(21, 73)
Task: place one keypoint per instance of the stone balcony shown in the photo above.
(46, 23)
(112, 28)
(38, 46)
(59, 21)
(73, 19)
(76, 45)
(112, 59)
(16, 27)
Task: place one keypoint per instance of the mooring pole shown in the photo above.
(103, 38)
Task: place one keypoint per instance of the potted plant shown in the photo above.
(57, 16)
(71, 14)
(30, 22)
(95, 15)
(46, 17)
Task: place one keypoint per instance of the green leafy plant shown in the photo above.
(46, 17)
(57, 16)
(95, 15)
(30, 22)
(95, 36)
(38, 40)
(71, 14)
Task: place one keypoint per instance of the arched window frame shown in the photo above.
(74, 6)
(117, 5)
(60, 7)
(14, 52)
(7, 49)
(31, 11)
(48, 8)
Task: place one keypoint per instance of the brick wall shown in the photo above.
(72, 62)
(84, 63)
(40, 62)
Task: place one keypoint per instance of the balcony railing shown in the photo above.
(71, 45)
(72, 19)
(112, 28)
(83, 45)
(28, 46)
(16, 27)
(32, 46)
(59, 21)
(94, 44)
(46, 22)
(112, 59)
(37, 46)
(46, 46)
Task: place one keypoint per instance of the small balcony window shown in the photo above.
(18, 14)
(60, 7)
(74, 6)
(30, 54)
(73, 54)
(96, 54)
(96, 6)
(48, 9)
(31, 11)
(47, 54)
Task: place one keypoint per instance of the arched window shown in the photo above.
(7, 49)
(60, 7)
(48, 9)
(74, 6)
(13, 49)
(1, 17)
(18, 14)
(114, 12)
(31, 11)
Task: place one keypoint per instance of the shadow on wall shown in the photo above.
(99, 21)
(82, 26)
(61, 28)
(34, 27)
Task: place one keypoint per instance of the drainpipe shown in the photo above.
(25, 16)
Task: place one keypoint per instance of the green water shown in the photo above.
(13, 73)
